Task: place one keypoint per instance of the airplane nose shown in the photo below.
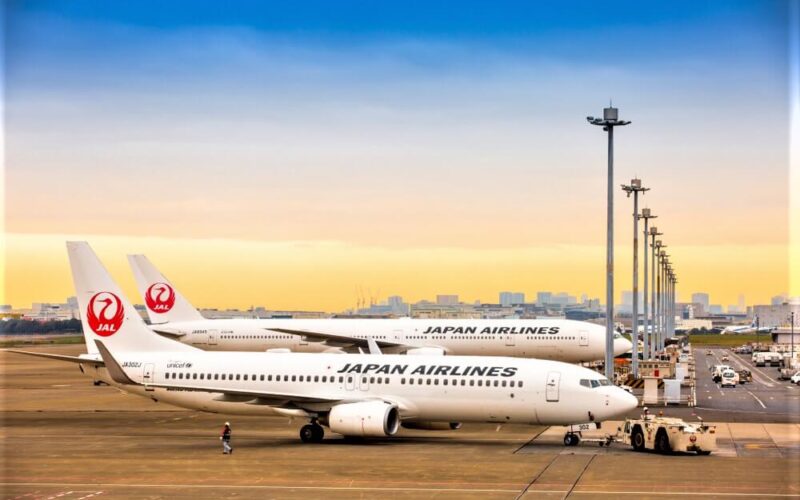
(628, 401)
(622, 345)
(621, 402)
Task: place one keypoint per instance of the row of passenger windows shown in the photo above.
(332, 379)
(273, 337)
(594, 383)
(411, 337)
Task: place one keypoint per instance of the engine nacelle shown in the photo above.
(426, 351)
(427, 425)
(368, 418)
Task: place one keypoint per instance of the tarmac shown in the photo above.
(64, 438)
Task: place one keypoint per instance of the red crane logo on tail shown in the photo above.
(160, 297)
(105, 314)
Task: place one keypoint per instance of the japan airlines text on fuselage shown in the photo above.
(561, 340)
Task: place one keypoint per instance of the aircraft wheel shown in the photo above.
(307, 433)
(571, 439)
(319, 433)
(703, 452)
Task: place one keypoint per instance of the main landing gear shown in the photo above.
(312, 433)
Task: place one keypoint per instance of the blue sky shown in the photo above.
(364, 122)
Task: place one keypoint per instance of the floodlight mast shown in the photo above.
(653, 234)
(646, 216)
(635, 187)
(608, 122)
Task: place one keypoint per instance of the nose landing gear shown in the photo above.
(571, 439)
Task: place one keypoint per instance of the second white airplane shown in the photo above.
(173, 316)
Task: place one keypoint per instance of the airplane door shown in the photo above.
(553, 380)
(510, 340)
(584, 339)
(213, 335)
(349, 383)
(364, 383)
(399, 335)
(147, 376)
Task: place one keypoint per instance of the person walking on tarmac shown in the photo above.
(226, 439)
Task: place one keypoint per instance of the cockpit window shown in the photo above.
(617, 335)
(594, 383)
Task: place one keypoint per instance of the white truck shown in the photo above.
(667, 435)
(764, 358)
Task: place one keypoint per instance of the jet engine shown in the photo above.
(368, 418)
(428, 425)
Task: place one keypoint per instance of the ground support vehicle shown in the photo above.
(745, 377)
(667, 435)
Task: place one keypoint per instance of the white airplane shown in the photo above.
(351, 394)
(751, 328)
(557, 339)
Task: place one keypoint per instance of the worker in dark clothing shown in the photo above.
(226, 439)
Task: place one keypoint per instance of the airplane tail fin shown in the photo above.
(164, 304)
(106, 314)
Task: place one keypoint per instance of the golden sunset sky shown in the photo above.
(273, 158)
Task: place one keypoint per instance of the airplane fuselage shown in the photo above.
(454, 388)
(553, 339)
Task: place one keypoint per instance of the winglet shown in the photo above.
(116, 371)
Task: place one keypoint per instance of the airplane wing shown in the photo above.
(60, 357)
(264, 397)
(338, 339)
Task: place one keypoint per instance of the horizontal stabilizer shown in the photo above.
(167, 333)
(61, 357)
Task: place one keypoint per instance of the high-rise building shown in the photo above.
(701, 298)
(508, 299)
(447, 300)
(398, 307)
(543, 298)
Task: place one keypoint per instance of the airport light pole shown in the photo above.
(645, 336)
(654, 310)
(662, 292)
(635, 187)
(608, 122)
(791, 356)
(674, 301)
(667, 303)
(657, 288)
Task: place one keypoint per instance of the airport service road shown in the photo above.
(765, 398)
(63, 438)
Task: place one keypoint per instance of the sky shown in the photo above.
(288, 154)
